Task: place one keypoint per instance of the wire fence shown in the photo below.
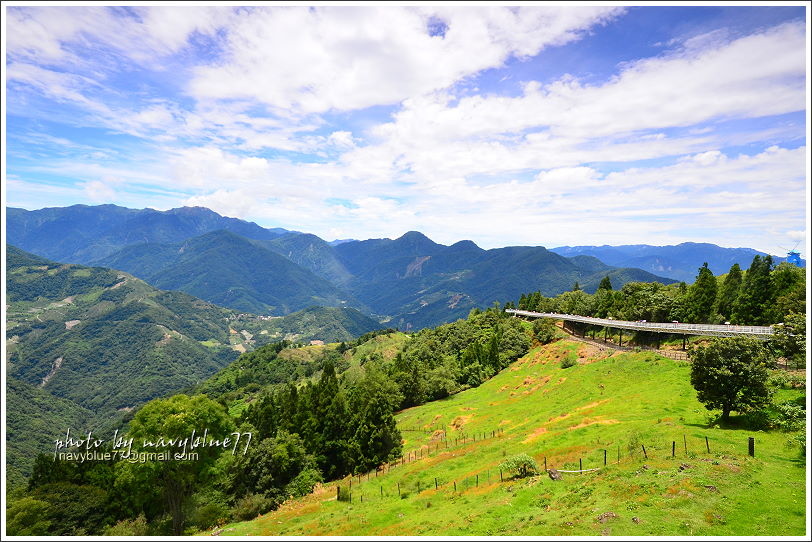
(365, 486)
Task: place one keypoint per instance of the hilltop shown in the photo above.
(618, 402)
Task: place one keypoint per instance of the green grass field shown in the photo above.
(617, 402)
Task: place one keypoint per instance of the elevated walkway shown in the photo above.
(727, 330)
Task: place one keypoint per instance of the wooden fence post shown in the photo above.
(673, 448)
(580, 464)
(751, 446)
(707, 444)
(644, 450)
(604, 457)
(685, 443)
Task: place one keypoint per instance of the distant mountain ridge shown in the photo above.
(81, 233)
(680, 262)
(409, 282)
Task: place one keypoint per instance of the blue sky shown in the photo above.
(538, 125)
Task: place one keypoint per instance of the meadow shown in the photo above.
(654, 462)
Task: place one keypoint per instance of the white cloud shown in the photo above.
(312, 60)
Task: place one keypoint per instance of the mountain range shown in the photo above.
(409, 282)
(680, 262)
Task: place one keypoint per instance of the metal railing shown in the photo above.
(726, 330)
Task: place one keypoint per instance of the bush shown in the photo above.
(208, 510)
(544, 330)
(304, 482)
(522, 464)
(252, 505)
(569, 361)
(129, 527)
(791, 417)
(343, 494)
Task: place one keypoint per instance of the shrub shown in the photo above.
(522, 464)
(791, 417)
(344, 494)
(544, 330)
(569, 361)
(252, 505)
(304, 482)
(129, 527)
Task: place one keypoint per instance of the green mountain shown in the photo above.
(420, 283)
(409, 282)
(327, 324)
(229, 270)
(86, 345)
(104, 339)
(34, 420)
(82, 233)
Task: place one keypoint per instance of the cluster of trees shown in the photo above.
(765, 294)
(441, 361)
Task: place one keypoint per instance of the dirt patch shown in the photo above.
(560, 417)
(592, 405)
(467, 408)
(535, 434)
(504, 422)
(459, 422)
(54, 368)
(593, 421)
(239, 348)
(71, 323)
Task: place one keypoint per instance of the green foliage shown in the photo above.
(791, 416)
(176, 418)
(702, 296)
(544, 330)
(606, 283)
(73, 509)
(251, 505)
(129, 527)
(207, 509)
(729, 291)
(789, 338)
(522, 464)
(28, 517)
(569, 360)
(754, 304)
(731, 374)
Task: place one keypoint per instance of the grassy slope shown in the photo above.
(614, 403)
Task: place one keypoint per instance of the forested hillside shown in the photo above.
(315, 413)
(101, 342)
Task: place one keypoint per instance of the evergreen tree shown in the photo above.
(576, 287)
(729, 291)
(702, 296)
(753, 306)
(606, 283)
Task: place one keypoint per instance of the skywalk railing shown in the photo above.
(725, 330)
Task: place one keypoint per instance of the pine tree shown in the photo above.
(606, 283)
(729, 291)
(702, 296)
(753, 306)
